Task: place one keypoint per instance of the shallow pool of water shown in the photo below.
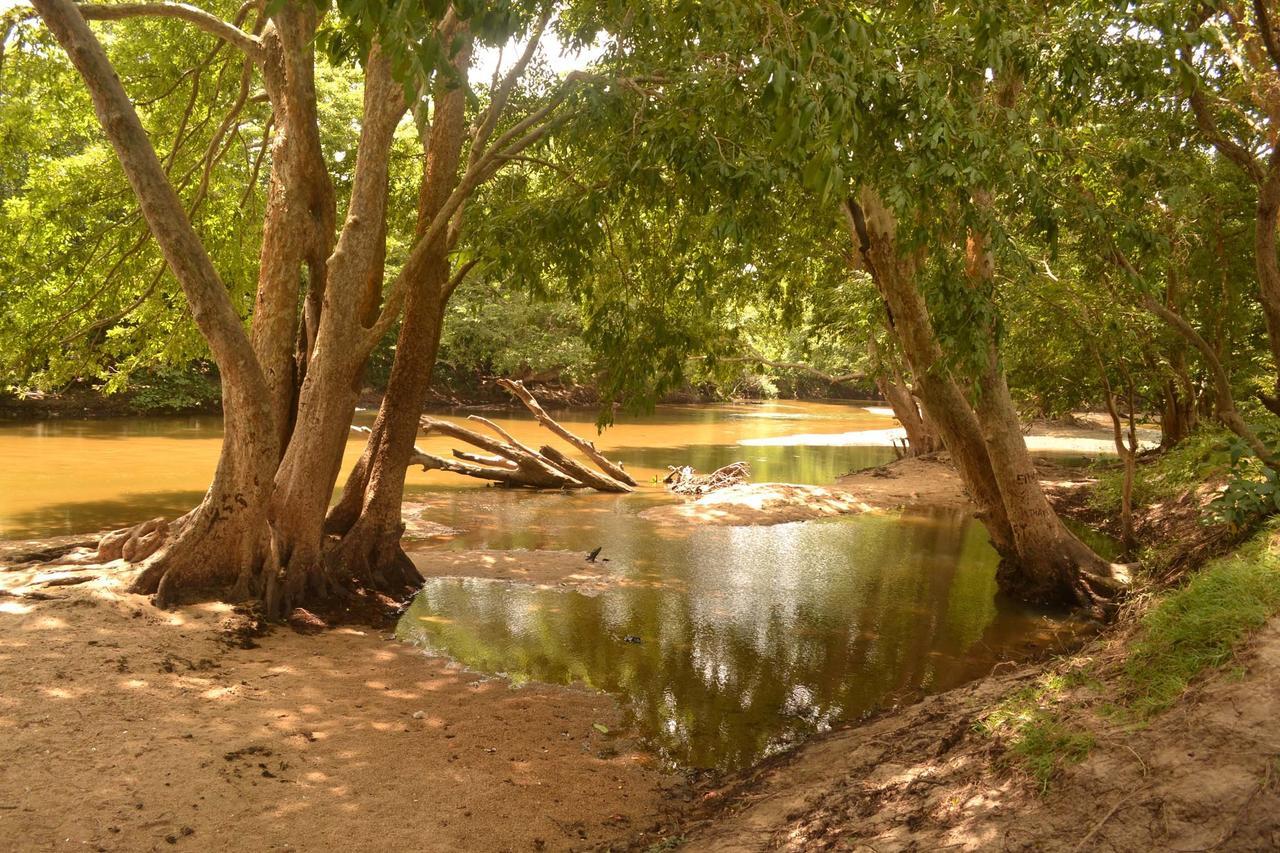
(724, 644)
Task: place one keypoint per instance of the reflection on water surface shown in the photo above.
(726, 643)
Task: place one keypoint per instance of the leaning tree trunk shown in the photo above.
(1052, 566)
(370, 544)
(948, 408)
(922, 439)
(919, 440)
(1268, 267)
(222, 542)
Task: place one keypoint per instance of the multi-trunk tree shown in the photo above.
(323, 296)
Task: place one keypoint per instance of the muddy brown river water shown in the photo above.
(723, 644)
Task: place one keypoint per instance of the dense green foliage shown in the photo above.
(682, 226)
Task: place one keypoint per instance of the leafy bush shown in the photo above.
(1253, 490)
(1204, 454)
(170, 389)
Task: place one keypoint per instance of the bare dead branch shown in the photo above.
(605, 464)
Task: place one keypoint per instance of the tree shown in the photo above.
(887, 119)
(290, 381)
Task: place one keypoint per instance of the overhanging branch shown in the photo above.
(206, 21)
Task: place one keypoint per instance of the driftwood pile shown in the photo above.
(510, 463)
(686, 481)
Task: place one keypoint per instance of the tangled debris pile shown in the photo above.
(686, 481)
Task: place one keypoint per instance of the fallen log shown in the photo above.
(605, 464)
(481, 459)
(510, 462)
(582, 473)
(509, 477)
(506, 436)
(534, 471)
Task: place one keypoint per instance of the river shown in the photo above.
(723, 644)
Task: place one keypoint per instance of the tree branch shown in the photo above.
(210, 303)
(1229, 148)
(210, 23)
(456, 279)
(1266, 32)
(1227, 411)
(488, 120)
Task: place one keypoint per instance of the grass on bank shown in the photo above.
(1185, 633)
(1199, 626)
(1034, 724)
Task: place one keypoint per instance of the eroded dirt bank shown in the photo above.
(127, 728)
(940, 774)
(1201, 776)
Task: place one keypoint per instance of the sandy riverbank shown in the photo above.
(127, 728)
(1089, 437)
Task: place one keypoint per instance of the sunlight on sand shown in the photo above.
(761, 503)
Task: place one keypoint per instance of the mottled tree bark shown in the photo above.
(227, 532)
(873, 230)
(330, 385)
(298, 225)
(370, 544)
(258, 531)
(1052, 565)
(1041, 560)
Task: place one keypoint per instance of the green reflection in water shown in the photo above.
(750, 637)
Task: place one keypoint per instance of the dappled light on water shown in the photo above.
(722, 643)
(741, 640)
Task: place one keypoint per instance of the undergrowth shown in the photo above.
(1198, 626)
(1201, 456)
